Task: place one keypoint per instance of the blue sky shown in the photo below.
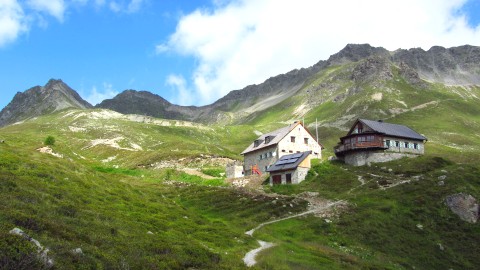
(194, 52)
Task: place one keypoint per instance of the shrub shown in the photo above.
(50, 140)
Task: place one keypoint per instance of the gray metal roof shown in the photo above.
(392, 129)
(276, 135)
(289, 162)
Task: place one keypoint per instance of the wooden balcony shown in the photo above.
(376, 143)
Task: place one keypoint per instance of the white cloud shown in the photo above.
(134, 6)
(12, 21)
(179, 85)
(17, 17)
(95, 96)
(99, 3)
(246, 41)
(55, 8)
(126, 6)
(115, 7)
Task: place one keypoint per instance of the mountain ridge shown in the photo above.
(369, 65)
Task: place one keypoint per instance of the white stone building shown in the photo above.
(268, 148)
(377, 141)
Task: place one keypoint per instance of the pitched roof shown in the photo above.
(289, 162)
(392, 129)
(275, 137)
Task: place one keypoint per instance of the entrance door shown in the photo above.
(277, 179)
(289, 178)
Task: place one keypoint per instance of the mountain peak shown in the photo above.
(38, 100)
(356, 52)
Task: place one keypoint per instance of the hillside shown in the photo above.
(133, 191)
(115, 187)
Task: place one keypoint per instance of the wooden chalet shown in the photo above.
(377, 141)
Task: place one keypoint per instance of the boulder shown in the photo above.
(465, 206)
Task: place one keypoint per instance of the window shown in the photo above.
(283, 151)
(257, 143)
(305, 140)
(290, 151)
(292, 139)
(387, 142)
(261, 157)
(270, 154)
(266, 167)
(415, 145)
(268, 139)
(397, 144)
(406, 144)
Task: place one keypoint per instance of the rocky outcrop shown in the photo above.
(465, 206)
(373, 69)
(42, 252)
(453, 66)
(40, 100)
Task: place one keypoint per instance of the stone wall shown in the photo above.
(268, 157)
(361, 158)
(298, 175)
(234, 170)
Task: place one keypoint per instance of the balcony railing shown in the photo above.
(376, 143)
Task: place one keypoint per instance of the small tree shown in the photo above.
(50, 140)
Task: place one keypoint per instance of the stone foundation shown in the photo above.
(365, 157)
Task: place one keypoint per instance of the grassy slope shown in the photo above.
(379, 230)
(107, 207)
(72, 202)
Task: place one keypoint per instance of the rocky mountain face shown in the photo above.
(363, 66)
(39, 100)
(350, 71)
(143, 103)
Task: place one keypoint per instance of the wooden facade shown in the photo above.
(359, 142)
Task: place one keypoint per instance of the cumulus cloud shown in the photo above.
(55, 8)
(12, 21)
(95, 96)
(238, 43)
(17, 17)
(126, 6)
(183, 95)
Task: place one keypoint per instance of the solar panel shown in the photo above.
(297, 155)
(282, 162)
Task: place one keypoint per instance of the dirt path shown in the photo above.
(311, 211)
(196, 172)
(249, 258)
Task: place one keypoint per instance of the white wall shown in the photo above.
(286, 146)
